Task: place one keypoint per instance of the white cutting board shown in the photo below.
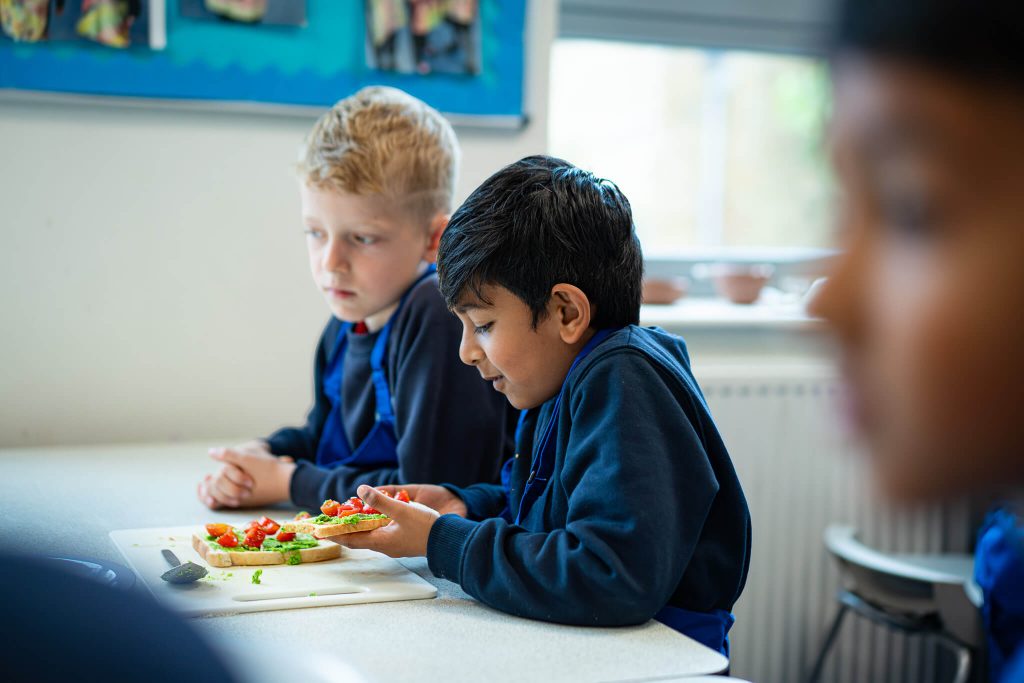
(359, 576)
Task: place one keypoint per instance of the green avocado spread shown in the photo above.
(350, 519)
(293, 546)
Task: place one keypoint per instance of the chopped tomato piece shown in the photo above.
(303, 515)
(269, 526)
(346, 510)
(355, 502)
(228, 540)
(403, 496)
(330, 507)
(254, 538)
(286, 536)
(367, 510)
(217, 529)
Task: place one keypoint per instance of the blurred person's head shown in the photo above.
(927, 299)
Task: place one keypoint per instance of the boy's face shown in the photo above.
(927, 300)
(526, 364)
(363, 252)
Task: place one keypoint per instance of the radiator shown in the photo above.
(799, 476)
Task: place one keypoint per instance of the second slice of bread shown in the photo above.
(327, 530)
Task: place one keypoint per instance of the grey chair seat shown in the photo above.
(926, 594)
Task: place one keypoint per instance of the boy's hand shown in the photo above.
(409, 530)
(251, 476)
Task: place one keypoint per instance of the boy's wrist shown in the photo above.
(446, 545)
(283, 480)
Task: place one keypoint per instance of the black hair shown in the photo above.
(978, 39)
(539, 222)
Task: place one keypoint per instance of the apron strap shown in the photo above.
(378, 374)
(334, 448)
(543, 462)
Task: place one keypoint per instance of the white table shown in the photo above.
(452, 638)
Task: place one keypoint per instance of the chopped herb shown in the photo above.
(294, 558)
(256, 576)
(312, 595)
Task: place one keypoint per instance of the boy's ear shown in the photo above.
(437, 225)
(569, 307)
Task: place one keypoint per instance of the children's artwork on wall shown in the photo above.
(225, 64)
(111, 23)
(423, 36)
(25, 20)
(265, 12)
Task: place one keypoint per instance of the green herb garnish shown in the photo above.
(256, 576)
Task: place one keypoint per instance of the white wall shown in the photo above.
(152, 266)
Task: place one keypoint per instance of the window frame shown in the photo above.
(788, 27)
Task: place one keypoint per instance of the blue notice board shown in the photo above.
(312, 66)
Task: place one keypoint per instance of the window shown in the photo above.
(714, 148)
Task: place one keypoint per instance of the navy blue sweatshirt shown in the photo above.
(643, 508)
(450, 425)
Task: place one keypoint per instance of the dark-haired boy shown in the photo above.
(621, 503)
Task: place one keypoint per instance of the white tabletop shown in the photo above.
(452, 638)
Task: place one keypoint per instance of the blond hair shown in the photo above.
(382, 141)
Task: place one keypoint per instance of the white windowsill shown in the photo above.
(707, 313)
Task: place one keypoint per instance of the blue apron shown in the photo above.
(999, 572)
(707, 628)
(379, 448)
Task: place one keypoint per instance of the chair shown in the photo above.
(931, 595)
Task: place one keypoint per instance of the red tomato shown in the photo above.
(367, 510)
(217, 529)
(269, 526)
(303, 515)
(347, 510)
(254, 538)
(330, 507)
(286, 536)
(228, 540)
(403, 496)
(254, 524)
(355, 502)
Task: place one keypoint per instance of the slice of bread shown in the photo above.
(249, 558)
(306, 526)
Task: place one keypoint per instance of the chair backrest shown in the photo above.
(897, 585)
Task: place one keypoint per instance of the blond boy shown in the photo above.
(392, 401)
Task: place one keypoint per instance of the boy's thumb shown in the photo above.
(379, 501)
(224, 455)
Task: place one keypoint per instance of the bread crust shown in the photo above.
(251, 558)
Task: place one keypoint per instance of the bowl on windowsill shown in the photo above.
(740, 283)
(664, 290)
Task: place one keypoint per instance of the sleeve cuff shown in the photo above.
(482, 500)
(446, 546)
(307, 484)
(274, 444)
